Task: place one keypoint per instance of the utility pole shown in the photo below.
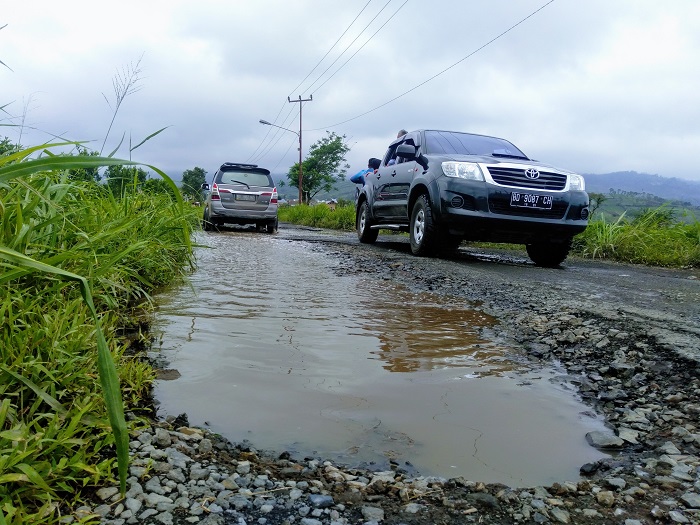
(301, 176)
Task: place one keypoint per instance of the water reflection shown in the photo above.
(423, 332)
(274, 347)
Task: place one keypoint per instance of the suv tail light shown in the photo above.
(215, 193)
(273, 196)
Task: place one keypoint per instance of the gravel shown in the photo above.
(648, 392)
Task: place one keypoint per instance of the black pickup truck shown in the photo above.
(444, 187)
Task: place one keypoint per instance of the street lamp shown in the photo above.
(298, 134)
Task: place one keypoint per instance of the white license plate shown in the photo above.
(245, 197)
(531, 200)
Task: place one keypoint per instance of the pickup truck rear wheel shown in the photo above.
(423, 230)
(365, 233)
(548, 254)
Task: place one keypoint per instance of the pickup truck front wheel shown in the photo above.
(423, 230)
(365, 233)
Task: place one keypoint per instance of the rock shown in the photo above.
(616, 483)
(372, 513)
(604, 440)
(678, 517)
(691, 499)
(669, 448)
(605, 498)
(320, 502)
(560, 515)
(162, 437)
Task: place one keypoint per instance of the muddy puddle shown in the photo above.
(275, 348)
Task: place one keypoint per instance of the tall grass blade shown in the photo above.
(149, 138)
(118, 146)
(21, 169)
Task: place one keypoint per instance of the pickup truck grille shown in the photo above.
(515, 178)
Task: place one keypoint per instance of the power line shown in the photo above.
(437, 74)
(363, 45)
(276, 132)
(349, 45)
(331, 48)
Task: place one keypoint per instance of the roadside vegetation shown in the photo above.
(79, 262)
(320, 215)
(655, 237)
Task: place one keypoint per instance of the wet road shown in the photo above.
(274, 346)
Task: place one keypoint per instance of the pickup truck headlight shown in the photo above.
(463, 170)
(577, 183)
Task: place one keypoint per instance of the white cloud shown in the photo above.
(596, 86)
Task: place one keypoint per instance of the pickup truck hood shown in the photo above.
(488, 159)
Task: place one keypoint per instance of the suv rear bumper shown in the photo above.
(242, 216)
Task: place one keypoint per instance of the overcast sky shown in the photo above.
(593, 86)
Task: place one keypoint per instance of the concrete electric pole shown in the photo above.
(301, 175)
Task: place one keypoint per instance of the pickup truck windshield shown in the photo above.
(450, 142)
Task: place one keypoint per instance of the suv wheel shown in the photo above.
(423, 231)
(364, 231)
(272, 226)
(548, 254)
(207, 225)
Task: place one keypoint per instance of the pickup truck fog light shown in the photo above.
(457, 201)
(463, 170)
(585, 213)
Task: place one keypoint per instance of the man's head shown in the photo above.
(401, 133)
(374, 163)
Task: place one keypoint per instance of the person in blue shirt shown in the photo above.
(372, 165)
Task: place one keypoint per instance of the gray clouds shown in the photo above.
(592, 86)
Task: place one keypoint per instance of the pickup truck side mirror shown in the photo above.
(409, 152)
(406, 151)
(205, 186)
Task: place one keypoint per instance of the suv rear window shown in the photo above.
(245, 177)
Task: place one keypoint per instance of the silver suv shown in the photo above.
(241, 194)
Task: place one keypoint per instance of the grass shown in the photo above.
(320, 216)
(77, 268)
(655, 237)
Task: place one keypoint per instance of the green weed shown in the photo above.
(76, 265)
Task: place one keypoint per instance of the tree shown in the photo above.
(120, 177)
(156, 186)
(85, 174)
(7, 147)
(323, 167)
(596, 200)
(192, 181)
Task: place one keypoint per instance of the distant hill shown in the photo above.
(673, 189)
(683, 191)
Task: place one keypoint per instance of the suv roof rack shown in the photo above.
(237, 165)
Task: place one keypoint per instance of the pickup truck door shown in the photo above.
(391, 197)
(390, 187)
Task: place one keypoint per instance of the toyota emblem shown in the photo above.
(532, 173)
